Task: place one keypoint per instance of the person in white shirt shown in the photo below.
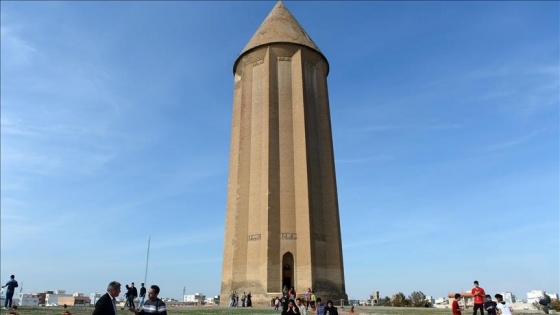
(503, 308)
(301, 307)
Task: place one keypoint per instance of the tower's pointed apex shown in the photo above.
(280, 26)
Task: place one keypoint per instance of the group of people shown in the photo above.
(132, 293)
(292, 305)
(107, 303)
(297, 307)
(245, 299)
(482, 302)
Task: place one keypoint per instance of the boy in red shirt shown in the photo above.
(478, 298)
(455, 305)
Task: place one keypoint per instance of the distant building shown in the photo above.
(536, 295)
(465, 301)
(441, 303)
(374, 298)
(42, 297)
(52, 297)
(93, 297)
(508, 297)
(213, 301)
(197, 298)
(27, 299)
(282, 166)
(430, 300)
(74, 300)
(168, 300)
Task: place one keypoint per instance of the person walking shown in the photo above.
(478, 298)
(301, 307)
(106, 305)
(132, 294)
(231, 299)
(313, 300)
(249, 301)
(320, 307)
(142, 295)
(126, 297)
(10, 289)
(307, 296)
(292, 294)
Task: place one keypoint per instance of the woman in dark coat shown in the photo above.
(331, 309)
(291, 309)
(249, 302)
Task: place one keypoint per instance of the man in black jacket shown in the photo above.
(132, 294)
(106, 303)
(142, 295)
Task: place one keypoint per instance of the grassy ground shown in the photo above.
(360, 310)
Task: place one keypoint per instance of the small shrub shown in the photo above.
(555, 304)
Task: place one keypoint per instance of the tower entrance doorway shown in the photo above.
(287, 270)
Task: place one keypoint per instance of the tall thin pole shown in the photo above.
(147, 257)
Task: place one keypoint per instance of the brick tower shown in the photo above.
(282, 221)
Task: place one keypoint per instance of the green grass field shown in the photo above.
(360, 310)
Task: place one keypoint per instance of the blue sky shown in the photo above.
(115, 126)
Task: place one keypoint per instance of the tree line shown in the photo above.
(415, 299)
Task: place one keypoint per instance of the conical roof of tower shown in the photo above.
(280, 26)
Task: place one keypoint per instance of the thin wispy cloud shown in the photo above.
(412, 127)
(406, 228)
(364, 159)
(16, 51)
(511, 143)
(195, 236)
(193, 261)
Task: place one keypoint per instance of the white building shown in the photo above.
(535, 296)
(442, 302)
(93, 297)
(26, 299)
(51, 299)
(213, 301)
(194, 298)
(508, 297)
(430, 300)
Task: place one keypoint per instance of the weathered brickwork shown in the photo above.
(282, 220)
